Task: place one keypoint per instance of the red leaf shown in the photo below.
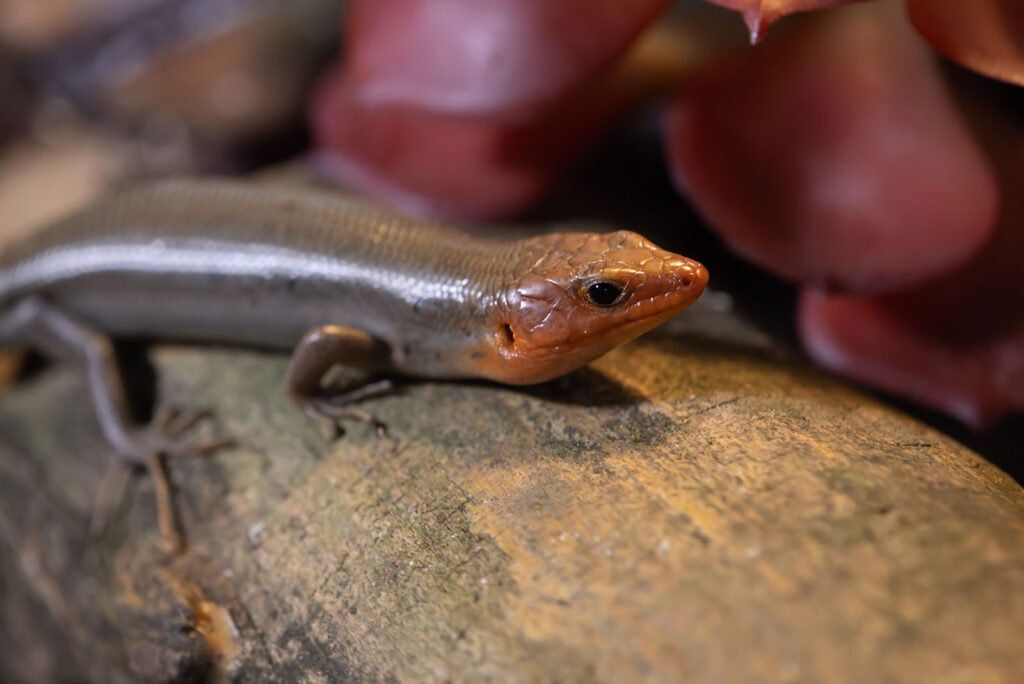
(471, 168)
(881, 344)
(485, 58)
(422, 164)
(448, 167)
(984, 35)
(957, 343)
(833, 155)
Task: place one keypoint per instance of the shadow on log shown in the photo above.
(694, 506)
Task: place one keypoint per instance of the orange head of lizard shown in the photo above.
(575, 296)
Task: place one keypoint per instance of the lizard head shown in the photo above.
(575, 296)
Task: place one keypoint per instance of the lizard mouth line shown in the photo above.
(630, 326)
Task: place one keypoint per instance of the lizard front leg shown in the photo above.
(320, 350)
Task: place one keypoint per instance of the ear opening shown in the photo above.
(508, 335)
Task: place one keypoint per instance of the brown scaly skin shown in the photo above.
(547, 325)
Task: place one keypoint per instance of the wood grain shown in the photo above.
(695, 506)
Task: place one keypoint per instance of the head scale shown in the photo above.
(574, 296)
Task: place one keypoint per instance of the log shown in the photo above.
(697, 505)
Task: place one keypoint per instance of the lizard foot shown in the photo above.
(148, 447)
(333, 405)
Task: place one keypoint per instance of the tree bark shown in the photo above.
(697, 505)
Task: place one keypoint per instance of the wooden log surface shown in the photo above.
(696, 506)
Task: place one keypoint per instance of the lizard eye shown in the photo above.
(603, 293)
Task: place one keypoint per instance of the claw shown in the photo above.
(348, 395)
(363, 417)
(325, 409)
(183, 422)
(164, 416)
(206, 448)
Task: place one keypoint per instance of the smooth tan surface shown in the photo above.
(695, 506)
(80, 165)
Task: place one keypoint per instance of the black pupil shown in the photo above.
(603, 294)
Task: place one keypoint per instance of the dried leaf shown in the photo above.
(957, 342)
(507, 58)
(986, 36)
(833, 155)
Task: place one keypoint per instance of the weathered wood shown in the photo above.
(695, 506)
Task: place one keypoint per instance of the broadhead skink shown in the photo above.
(337, 280)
